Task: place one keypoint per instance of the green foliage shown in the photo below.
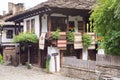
(106, 19)
(86, 40)
(1, 59)
(26, 37)
(104, 16)
(47, 64)
(70, 36)
(28, 65)
(112, 45)
(56, 34)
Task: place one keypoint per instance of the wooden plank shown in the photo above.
(78, 41)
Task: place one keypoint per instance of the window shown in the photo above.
(58, 22)
(80, 26)
(33, 25)
(71, 26)
(9, 34)
(28, 25)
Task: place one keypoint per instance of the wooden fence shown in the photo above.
(78, 63)
(106, 60)
(101, 60)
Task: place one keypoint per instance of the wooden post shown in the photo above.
(19, 28)
(19, 53)
(49, 25)
(84, 25)
(39, 58)
(61, 58)
(67, 29)
(28, 54)
(15, 28)
(40, 21)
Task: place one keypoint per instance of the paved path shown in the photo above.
(22, 73)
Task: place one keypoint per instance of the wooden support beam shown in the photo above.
(40, 21)
(15, 28)
(84, 25)
(49, 24)
(67, 29)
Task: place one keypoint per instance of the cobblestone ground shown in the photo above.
(22, 73)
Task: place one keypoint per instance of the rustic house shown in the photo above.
(9, 29)
(45, 18)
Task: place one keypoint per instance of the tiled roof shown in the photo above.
(70, 4)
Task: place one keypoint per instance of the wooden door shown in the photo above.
(43, 57)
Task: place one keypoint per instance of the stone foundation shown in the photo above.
(78, 73)
(110, 71)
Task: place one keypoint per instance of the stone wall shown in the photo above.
(77, 68)
(80, 73)
(109, 71)
(105, 67)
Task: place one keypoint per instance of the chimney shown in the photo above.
(10, 7)
(18, 8)
(4, 12)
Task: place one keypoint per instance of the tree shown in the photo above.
(106, 19)
(26, 39)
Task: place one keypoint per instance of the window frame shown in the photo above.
(9, 34)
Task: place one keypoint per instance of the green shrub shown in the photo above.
(112, 44)
(28, 65)
(70, 36)
(47, 63)
(86, 40)
(26, 37)
(56, 34)
(1, 59)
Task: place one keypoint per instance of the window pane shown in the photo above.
(28, 25)
(58, 22)
(9, 34)
(33, 25)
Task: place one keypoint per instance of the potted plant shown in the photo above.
(70, 37)
(55, 36)
(86, 41)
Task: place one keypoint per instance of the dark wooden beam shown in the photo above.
(67, 23)
(15, 28)
(49, 24)
(40, 21)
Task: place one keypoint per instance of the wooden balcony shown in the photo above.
(62, 41)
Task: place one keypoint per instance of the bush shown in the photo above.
(112, 44)
(48, 62)
(86, 40)
(70, 36)
(28, 65)
(56, 34)
(1, 59)
(26, 37)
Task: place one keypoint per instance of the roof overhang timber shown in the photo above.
(40, 11)
(27, 14)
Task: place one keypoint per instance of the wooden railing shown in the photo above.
(62, 41)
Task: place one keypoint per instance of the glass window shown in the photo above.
(28, 25)
(80, 26)
(33, 25)
(9, 34)
(58, 22)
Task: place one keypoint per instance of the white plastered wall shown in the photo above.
(37, 24)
